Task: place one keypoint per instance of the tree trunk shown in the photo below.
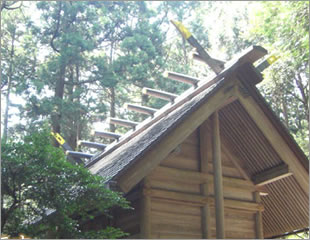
(72, 116)
(112, 107)
(284, 108)
(10, 73)
(304, 93)
(59, 93)
(112, 92)
(79, 120)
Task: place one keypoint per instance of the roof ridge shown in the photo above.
(249, 55)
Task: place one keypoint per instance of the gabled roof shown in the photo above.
(118, 157)
(269, 146)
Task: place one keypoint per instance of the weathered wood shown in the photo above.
(181, 185)
(227, 171)
(245, 205)
(252, 54)
(193, 177)
(79, 154)
(276, 141)
(205, 146)
(145, 213)
(182, 197)
(109, 135)
(143, 167)
(228, 153)
(177, 202)
(236, 161)
(177, 186)
(271, 175)
(141, 109)
(159, 94)
(218, 178)
(199, 200)
(237, 193)
(185, 162)
(193, 138)
(180, 219)
(122, 122)
(172, 227)
(182, 78)
(157, 235)
(181, 162)
(258, 219)
(197, 57)
(92, 144)
(164, 205)
(240, 235)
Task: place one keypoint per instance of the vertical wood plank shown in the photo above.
(145, 214)
(258, 219)
(218, 178)
(205, 145)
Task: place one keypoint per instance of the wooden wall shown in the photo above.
(176, 199)
(169, 203)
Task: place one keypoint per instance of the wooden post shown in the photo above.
(204, 147)
(218, 179)
(145, 216)
(258, 219)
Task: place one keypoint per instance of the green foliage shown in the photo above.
(36, 177)
(283, 28)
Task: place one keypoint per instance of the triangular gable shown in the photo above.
(271, 154)
(113, 162)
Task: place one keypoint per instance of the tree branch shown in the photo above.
(7, 6)
(57, 28)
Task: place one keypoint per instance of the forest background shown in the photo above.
(70, 65)
(73, 64)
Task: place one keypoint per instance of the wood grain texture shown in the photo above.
(145, 165)
(276, 140)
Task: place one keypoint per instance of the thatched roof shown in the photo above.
(287, 204)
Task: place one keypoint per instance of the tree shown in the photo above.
(36, 178)
(18, 60)
(283, 28)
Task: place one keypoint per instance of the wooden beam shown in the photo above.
(271, 175)
(197, 57)
(276, 141)
(182, 197)
(79, 154)
(156, 154)
(193, 177)
(122, 122)
(235, 160)
(199, 200)
(92, 144)
(109, 135)
(141, 109)
(145, 213)
(258, 219)
(225, 146)
(218, 178)
(204, 147)
(174, 174)
(159, 94)
(182, 78)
